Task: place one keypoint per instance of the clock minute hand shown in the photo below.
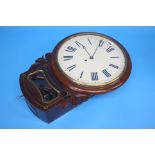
(99, 45)
(92, 57)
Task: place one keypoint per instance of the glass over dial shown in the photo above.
(91, 59)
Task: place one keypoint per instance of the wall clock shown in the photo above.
(80, 66)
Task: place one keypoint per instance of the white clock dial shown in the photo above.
(91, 59)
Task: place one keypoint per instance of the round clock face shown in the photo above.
(91, 59)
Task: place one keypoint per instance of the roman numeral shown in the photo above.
(106, 73)
(81, 75)
(67, 57)
(89, 42)
(109, 49)
(94, 76)
(109, 43)
(114, 66)
(71, 49)
(101, 42)
(71, 67)
(114, 57)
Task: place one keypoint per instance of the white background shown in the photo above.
(87, 13)
(77, 142)
(80, 12)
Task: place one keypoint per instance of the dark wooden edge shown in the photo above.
(54, 66)
(32, 95)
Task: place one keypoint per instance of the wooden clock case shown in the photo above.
(50, 93)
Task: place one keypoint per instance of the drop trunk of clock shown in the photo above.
(61, 80)
(46, 97)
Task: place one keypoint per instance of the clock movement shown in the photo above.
(80, 66)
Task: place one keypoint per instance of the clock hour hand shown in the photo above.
(87, 51)
(79, 44)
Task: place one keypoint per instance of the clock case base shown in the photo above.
(50, 114)
(46, 97)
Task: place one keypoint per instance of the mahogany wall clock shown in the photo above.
(80, 66)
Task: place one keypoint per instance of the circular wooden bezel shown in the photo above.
(73, 86)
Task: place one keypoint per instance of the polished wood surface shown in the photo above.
(52, 93)
(53, 63)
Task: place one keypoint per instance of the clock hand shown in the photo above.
(92, 57)
(87, 51)
(99, 45)
(83, 48)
